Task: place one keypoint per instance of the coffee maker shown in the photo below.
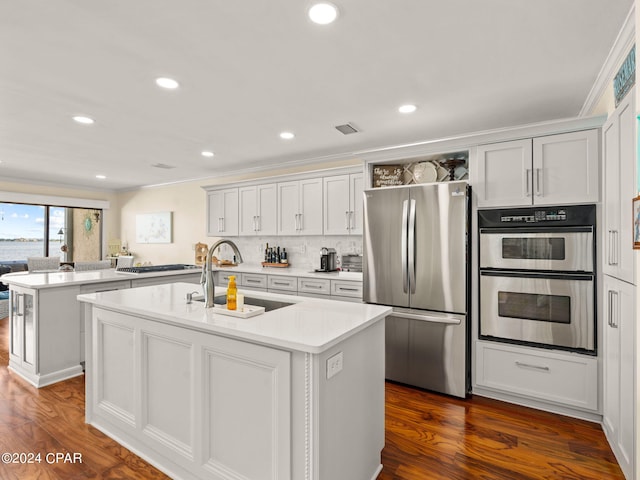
(327, 260)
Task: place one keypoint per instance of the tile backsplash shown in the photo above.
(303, 252)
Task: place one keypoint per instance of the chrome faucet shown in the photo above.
(206, 280)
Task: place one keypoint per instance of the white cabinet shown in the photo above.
(564, 379)
(619, 185)
(258, 209)
(300, 207)
(618, 419)
(44, 334)
(549, 170)
(222, 212)
(343, 204)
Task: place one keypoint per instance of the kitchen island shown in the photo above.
(296, 393)
(45, 322)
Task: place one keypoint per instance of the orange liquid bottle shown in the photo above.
(232, 292)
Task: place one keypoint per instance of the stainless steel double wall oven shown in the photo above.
(537, 276)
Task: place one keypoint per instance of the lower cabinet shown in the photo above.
(619, 384)
(563, 379)
(44, 341)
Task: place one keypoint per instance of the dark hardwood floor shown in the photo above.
(428, 437)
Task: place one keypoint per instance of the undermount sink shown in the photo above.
(258, 302)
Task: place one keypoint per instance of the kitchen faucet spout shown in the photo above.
(206, 280)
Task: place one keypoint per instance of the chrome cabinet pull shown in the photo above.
(528, 365)
(301, 222)
(352, 223)
(527, 182)
(18, 297)
(346, 217)
(616, 310)
(347, 289)
(609, 307)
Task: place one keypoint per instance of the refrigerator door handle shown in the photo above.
(411, 254)
(403, 244)
(427, 318)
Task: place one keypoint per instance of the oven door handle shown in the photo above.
(586, 276)
(534, 230)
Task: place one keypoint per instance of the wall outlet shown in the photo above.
(334, 365)
(303, 248)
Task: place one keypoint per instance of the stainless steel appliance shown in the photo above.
(416, 259)
(537, 276)
(351, 263)
(328, 260)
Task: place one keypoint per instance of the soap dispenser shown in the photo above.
(232, 292)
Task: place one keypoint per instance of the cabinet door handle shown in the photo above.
(352, 222)
(527, 182)
(258, 223)
(609, 247)
(346, 216)
(310, 285)
(538, 183)
(347, 289)
(18, 312)
(609, 307)
(301, 223)
(616, 310)
(528, 365)
(284, 284)
(616, 247)
(252, 280)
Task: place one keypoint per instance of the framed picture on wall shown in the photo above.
(153, 227)
(636, 223)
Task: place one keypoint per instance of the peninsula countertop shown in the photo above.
(61, 279)
(308, 324)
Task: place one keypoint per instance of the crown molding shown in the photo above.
(620, 49)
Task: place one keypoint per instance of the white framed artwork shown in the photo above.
(153, 227)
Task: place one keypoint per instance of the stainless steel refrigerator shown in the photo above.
(416, 259)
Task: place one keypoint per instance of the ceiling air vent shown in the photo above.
(346, 129)
(162, 165)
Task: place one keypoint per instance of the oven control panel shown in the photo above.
(538, 216)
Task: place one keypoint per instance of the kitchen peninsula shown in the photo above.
(46, 331)
(294, 393)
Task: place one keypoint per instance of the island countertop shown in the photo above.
(308, 325)
(60, 279)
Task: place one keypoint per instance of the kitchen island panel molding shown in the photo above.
(239, 408)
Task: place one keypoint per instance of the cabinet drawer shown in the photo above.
(105, 286)
(222, 278)
(345, 288)
(314, 285)
(254, 280)
(570, 380)
(279, 282)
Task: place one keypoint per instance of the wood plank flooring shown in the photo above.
(428, 437)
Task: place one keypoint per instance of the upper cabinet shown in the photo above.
(300, 207)
(619, 187)
(549, 170)
(258, 209)
(222, 212)
(343, 204)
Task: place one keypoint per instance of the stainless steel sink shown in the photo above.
(258, 302)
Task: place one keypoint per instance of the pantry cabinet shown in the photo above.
(619, 187)
(222, 212)
(549, 170)
(619, 400)
(300, 207)
(258, 209)
(343, 204)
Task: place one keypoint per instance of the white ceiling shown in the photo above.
(251, 69)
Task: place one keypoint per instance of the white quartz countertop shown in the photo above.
(61, 279)
(291, 271)
(308, 325)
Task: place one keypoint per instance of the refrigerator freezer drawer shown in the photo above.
(428, 350)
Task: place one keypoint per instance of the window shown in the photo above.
(49, 231)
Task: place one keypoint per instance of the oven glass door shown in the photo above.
(562, 251)
(547, 309)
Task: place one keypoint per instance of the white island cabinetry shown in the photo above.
(45, 319)
(295, 393)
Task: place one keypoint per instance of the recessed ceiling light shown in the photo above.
(168, 83)
(84, 120)
(287, 135)
(101, 177)
(323, 13)
(407, 108)
(206, 153)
